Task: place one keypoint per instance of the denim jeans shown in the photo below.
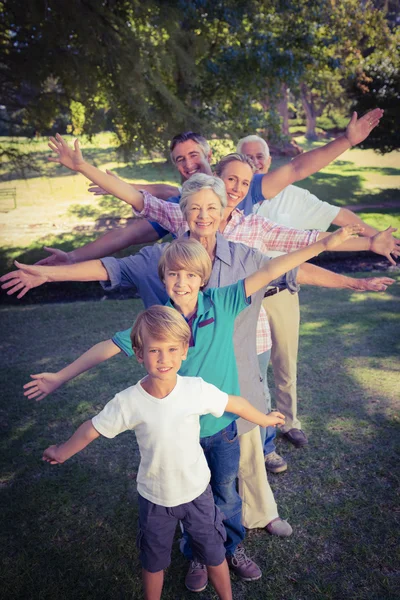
(267, 433)
(222, 453)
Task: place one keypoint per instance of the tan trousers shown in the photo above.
(259, 506)
(283, 311)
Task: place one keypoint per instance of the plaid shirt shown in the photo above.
(254, 231)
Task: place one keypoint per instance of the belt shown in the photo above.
(271, 291)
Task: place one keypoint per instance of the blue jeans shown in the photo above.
(267, 433)
(222, 453)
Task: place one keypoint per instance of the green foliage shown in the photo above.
(77, 118)
(377, 83)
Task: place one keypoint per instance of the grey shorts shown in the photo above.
(201, 519)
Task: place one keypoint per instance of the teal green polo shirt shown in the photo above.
(212, 355)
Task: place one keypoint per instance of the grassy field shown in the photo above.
(68, 531)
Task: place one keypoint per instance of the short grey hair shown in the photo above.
(253, 138)
(189, 135)
(199, 182)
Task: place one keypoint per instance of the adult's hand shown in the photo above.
(68, 157)
(359, 129)
(57, 257)
(372, 284)
(26, 278)
(385, 244)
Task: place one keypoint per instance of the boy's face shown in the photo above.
(162, 359)
(182, 286)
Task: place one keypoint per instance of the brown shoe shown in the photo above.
(245, 568)
(297, 437)
(197, 577)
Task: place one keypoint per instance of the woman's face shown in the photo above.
(203, 213)
(237, 177)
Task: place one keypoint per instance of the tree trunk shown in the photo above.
(283, 109)
(311, 113)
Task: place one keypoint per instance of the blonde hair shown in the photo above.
(187, 254)
(234, 156)
(199, 182)
(253, 138)
(163, 323)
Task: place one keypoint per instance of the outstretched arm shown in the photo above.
(313, 275)
(242, 407)
(278, 266)
(44, 384)
(72, 159)
(160, 190)
(347, 217)
(310, 162)
(31, 276)
(83, 436)
(138, 232)
(382, 243)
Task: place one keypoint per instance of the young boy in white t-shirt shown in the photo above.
(173, 478)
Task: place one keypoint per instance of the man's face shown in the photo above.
(190, 159)
(256, 151)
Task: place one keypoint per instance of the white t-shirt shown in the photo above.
(173, 469)
(295, 207)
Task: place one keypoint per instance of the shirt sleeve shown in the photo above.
(253, 196)
(231, 298)
(283, 239)
(121, 272)
(110, 421)
(122, 339)
(214, 401)
(166, 213)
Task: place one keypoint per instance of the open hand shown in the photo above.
(42, 385)
(372, 284)
(341, 235)
(69, 157)
(26, 278)
(99, 191)
(384, 243)
(359, 129)
(51, 455)
(274, 418)
(57, 257)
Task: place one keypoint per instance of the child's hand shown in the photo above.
(52, 455)
(341, 235)
(69, 157)
(372, 284)
(274, 418)
(384, 243)
(42, 385)
(26, 278)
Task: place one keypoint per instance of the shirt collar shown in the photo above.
(222, 250)
(203, 304)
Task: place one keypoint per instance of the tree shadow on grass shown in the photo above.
(72, 525)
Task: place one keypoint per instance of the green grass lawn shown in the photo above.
(68, 531)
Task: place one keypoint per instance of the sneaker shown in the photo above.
(275, 463)
(197, 577)
(245, 568)
(297, 437)
(279, 527)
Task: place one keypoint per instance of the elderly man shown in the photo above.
(293, 207)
